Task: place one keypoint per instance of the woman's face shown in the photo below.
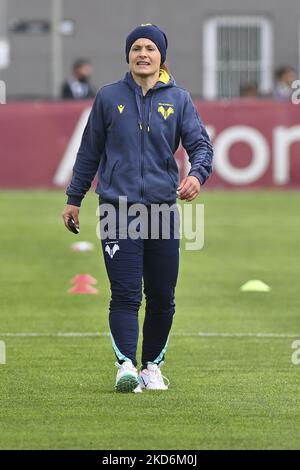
(144, 58)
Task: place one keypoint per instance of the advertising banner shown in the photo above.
(256, 143)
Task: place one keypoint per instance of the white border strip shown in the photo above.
(188, 335)
(64, 170)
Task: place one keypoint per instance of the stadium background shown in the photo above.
(234, 384)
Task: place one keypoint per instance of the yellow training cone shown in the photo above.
(255, 286)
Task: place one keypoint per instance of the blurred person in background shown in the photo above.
(249, 90)
(78, 87)
(133, 131)
(284, 77)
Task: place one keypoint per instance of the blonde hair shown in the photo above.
(165, 68)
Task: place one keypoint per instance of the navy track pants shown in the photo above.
(134, 265)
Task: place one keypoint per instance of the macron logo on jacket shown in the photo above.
(131, 140)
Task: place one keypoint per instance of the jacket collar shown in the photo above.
(165, 80)
(164, 77)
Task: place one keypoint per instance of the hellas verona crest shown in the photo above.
(111, 251)
(165, 112)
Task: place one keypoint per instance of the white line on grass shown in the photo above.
(192, 335)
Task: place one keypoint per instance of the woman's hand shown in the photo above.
(70, 212)
(189, 188)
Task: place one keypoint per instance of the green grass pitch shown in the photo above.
(227, 392)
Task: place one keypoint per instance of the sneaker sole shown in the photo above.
(127, 384)
(155, 388)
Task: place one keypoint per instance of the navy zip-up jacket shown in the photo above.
(131, 139)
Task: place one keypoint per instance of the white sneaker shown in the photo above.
(152, 378)
(127, 378)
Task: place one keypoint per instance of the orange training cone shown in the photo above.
(84, 278)
(82, 285)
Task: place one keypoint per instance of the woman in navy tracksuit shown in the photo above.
(132, 133)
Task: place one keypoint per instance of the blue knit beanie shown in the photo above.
(149, 31)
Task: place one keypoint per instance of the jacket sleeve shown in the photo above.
(196, 142)
(89, 154)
